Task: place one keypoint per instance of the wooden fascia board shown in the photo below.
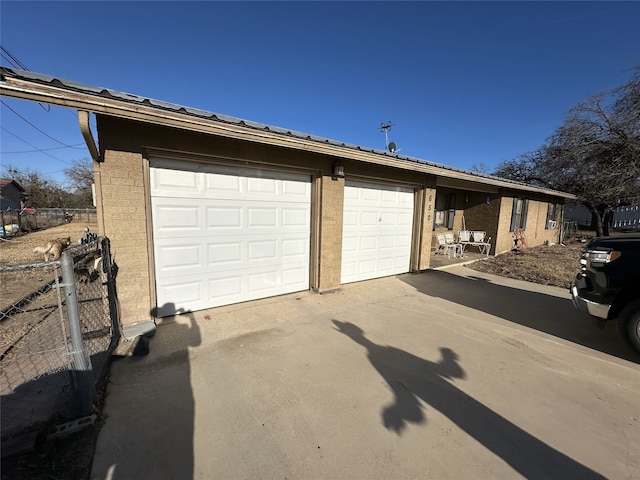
(26, 90)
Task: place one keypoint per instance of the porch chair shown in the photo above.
(451, 245)
(480, 240)
(443, 247)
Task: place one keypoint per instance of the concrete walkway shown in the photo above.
(449, 374)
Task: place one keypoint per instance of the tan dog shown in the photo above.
(52, 250)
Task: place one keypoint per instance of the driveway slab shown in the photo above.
(445, 374)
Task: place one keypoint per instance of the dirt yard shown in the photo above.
(555, 265)
(19, 249)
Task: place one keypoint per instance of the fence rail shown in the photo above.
(13, 222)
(58, 329)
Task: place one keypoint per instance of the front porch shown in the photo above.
(439, 261)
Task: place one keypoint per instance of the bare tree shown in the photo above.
(481, 168)
(80, 176)
(595, 154)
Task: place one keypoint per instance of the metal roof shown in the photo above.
(225, 119)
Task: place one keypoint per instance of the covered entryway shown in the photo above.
(224, 235)
(377, 228)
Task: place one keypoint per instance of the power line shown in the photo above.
(17, 63)
(77, 145)
(13, 60)
(32, 146)
(41, 131)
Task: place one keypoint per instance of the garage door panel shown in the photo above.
(224, 217)
(377, 230)
(262, 217)
(260, 250)
(175, 183)
(175, 259)
(224, 236)
(369, 218)
(368, 243)
(178, 217)
(227, 254)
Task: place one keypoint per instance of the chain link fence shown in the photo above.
(58, 329)
(14, 222)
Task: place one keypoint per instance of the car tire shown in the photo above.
(629, 324)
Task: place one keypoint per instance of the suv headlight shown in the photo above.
(602, 256)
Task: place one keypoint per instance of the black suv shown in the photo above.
(608, 285)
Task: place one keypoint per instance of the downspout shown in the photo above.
(83, 119)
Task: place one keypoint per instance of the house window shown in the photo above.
(445, 211)
(440, 216)
(519, 214)
(552, 216)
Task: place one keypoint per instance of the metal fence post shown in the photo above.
(82, 363)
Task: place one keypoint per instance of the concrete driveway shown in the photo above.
(446, 375)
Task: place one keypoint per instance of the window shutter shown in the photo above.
(514, 215)
(525, 208)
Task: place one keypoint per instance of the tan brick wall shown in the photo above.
(427, 229)
(331, 212)
(476, 212)
(535, 232)
(481, 212)
(504, 241)
(124, 218)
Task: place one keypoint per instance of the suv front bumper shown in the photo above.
(600, 310)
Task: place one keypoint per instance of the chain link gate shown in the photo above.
(58, 329)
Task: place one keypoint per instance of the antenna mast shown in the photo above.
(390, 146)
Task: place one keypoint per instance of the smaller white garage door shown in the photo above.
(224, 235)
(377, 229)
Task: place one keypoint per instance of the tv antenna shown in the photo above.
(391, 147)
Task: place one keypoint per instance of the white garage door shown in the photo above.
(224, 235)
(376, 238)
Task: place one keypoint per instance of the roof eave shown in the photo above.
(106, 105)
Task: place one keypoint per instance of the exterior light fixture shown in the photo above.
(338, 170)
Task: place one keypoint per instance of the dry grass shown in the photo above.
(19, 249)
(555, 265)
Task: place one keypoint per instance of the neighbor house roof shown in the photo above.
(56, 91)
(7, 181)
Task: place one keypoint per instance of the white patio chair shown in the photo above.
(444, 248)
(464, 239)
(452, 245)
(480, 241)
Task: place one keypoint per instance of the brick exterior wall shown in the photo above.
(535, 232)
(331, 213)
(427, 228)
(124, 218)
(477, 214)
(481, 212)
(123, 199)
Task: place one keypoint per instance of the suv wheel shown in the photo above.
(629, 324)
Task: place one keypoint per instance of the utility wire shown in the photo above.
(41, 131)
(17, 63)
(13, 60)
(32, 146)
(77, 145)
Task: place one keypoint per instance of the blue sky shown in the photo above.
(463, 83)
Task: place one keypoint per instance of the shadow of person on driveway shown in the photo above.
(150, 408)
(545, 313)
(412, 379)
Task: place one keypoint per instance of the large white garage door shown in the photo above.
(376, 238)
(224, 235)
